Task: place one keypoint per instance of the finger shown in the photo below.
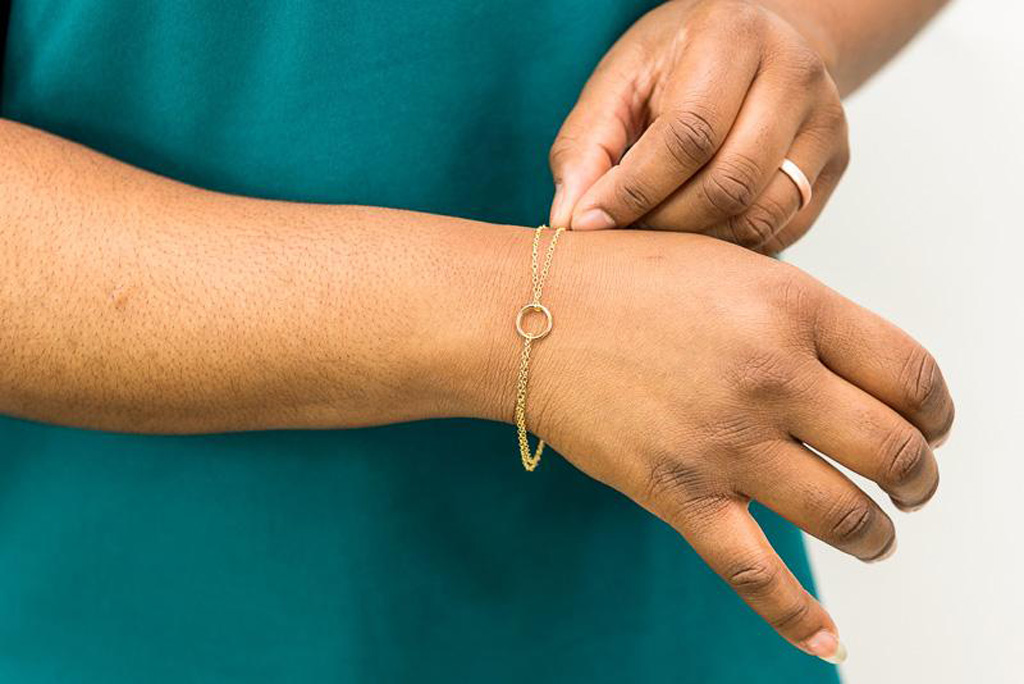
(780, 203)
(869, 438)
(801, 222)
(884, 361)
(695, 115)
(596, 133)
(733, 545)
(812, 494)
(749, 159)
(825, 184)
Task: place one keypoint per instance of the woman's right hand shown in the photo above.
(689, 373)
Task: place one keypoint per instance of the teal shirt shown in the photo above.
(412, 553)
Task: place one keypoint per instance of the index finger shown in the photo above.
(695, 114)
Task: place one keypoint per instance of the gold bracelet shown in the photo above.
(530, 461)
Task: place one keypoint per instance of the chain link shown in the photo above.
(531, 459)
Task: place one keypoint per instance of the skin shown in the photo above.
(683, 371)
(686, 120)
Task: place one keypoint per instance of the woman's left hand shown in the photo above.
(685, 123)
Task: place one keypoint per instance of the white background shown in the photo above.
(928, 230)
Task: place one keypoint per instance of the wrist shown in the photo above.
(487, 347)
(476, 350)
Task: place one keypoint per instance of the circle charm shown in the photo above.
(548, 321)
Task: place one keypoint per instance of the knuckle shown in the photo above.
(731, 184)
(676, 491)
(833, 117)
(791, 616)
(828, 126)
(759, 224)
(670, 478)
(751, 229)
(806, 66)
(905, 455)
(761, 373)
(771, 374)
(690, 137)
(633, 194)
(849, 521)
(925, 394)
(794, 294)
(754, 578)
(922, 380)
(743, 17)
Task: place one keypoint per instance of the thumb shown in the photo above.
(591, 141)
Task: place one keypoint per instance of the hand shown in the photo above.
(689, 374)
(708, 97)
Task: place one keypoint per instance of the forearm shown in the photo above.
(130, 302)
(856, 37)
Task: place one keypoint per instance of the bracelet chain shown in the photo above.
(539, 274)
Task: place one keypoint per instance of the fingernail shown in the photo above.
(887, 553)
(826, 646)
(556, 205)
(908, 508)
(594, 219)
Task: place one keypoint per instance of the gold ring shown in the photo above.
(799, 179)
(534, 306)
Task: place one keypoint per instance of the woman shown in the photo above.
(266, 292)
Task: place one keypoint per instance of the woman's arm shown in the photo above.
(130, 302)
(683, 371)
(856, 37)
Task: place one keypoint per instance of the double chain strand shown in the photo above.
(540, 273)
